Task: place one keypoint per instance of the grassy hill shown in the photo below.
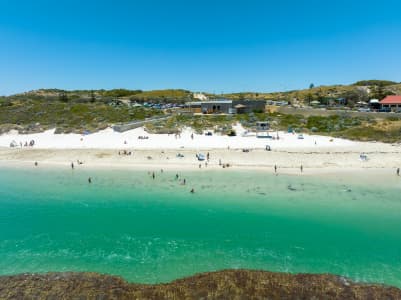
(362, 90)
(177, 95)
(365, 89)
(36, 115)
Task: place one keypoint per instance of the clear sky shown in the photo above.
(204, 45)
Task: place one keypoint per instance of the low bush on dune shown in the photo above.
(69, 116)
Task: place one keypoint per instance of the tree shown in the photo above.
(311, 86)
(309, 98)
(356, 95)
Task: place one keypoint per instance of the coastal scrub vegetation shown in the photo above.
(92, 110)
(345, 126)
(36, 115)
(39, 115)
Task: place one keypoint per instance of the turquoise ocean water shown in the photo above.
(125, 223)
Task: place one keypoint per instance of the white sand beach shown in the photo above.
(105, 149)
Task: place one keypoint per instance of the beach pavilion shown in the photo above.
(391, 103)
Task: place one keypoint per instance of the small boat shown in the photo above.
(200, 156)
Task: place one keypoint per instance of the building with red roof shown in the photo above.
(391, 103)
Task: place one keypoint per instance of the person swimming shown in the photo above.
(291, 188)
(192, 191)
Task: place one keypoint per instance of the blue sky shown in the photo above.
(215, 46)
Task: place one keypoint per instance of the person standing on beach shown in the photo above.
(89, 180)
(72, 165)
(208, 156)
(36, 163)
(153, 175)
(275, 168)
(302, 168)
(398, 171)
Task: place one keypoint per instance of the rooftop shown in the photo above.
(218, 101)
(391, 100)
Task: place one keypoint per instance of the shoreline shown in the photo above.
(287, 161)
(379, 171)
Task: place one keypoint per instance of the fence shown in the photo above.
(136, 124)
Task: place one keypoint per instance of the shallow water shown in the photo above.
(125, 223)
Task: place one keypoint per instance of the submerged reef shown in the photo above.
(227, 284)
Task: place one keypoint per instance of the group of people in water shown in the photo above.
(79, 162)
(183, 181)
(301, 168)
